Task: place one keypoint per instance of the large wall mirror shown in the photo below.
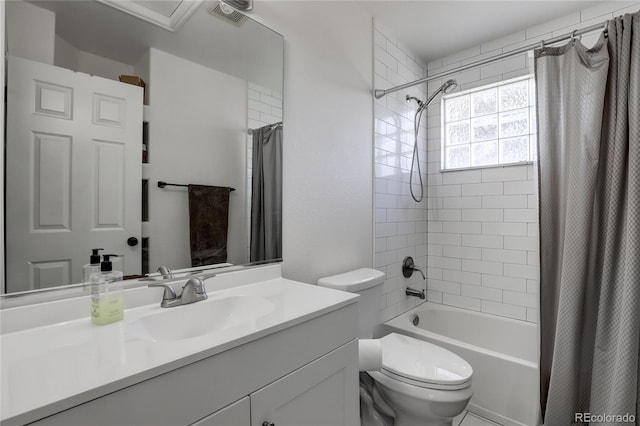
(184, 173)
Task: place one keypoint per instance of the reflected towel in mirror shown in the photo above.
(208, 224)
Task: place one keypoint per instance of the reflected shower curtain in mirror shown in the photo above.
(589, 170)
(266, 194)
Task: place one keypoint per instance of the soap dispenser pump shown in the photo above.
(106, 267)
(107, 304)
(92, 266)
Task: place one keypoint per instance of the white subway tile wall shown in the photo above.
(401, 223)
(483, 223)
(264, 106)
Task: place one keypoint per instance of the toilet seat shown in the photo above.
(423, 364)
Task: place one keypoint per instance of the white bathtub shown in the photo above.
(503, 353)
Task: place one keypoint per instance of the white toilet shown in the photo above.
(419, 384)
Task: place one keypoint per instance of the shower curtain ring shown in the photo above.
(573, 36)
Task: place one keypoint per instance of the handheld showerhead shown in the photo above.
(449, 86)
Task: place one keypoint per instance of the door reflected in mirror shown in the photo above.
(198, 108)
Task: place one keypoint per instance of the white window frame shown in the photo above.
(532, 124)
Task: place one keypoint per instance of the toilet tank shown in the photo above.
(367, 283)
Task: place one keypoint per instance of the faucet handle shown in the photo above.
(193, 291)
(169, 293)
(204, 276)
(408, 267)
(196, 283)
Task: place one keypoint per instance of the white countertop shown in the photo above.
(49, 368)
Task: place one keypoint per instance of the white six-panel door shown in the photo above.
(73, 173)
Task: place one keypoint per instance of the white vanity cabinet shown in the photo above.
(318, 394)
(305, 374)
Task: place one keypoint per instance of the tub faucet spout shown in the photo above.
(415, 293)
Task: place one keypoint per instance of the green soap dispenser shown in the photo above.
(107, 303)
(92, 266)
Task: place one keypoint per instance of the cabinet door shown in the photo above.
(324, 392)
(236, 414)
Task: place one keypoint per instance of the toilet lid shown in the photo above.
(423, 363)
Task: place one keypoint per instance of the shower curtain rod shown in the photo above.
(273, 126)
(380, 93)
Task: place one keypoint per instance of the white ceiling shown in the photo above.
(435, 29)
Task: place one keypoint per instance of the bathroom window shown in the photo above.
(490, 125)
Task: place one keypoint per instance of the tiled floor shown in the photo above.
(470, 419)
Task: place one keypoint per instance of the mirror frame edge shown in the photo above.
(2, 126)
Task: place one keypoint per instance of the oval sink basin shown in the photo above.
(201, 318)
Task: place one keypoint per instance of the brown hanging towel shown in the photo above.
(208, 224)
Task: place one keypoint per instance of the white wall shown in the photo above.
(141, 68)
(401, 222)
(483, 231)
(30, 31)
(68, 56)
(328, 177)
(65, 55)
(196, 114)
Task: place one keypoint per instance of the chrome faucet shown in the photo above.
(416, 293)
(193, 291)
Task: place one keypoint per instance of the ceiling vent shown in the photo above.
(228, 13)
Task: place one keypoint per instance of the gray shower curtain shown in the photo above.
(589, 171)
(266, 194)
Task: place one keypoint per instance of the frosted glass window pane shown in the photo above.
(485, 102)
(514, 123)
(484, 153)
(457, 133)
(490, 125)
(457, 157)
(515, 95)
(514, 150)
(457, 108)
(484, 128)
